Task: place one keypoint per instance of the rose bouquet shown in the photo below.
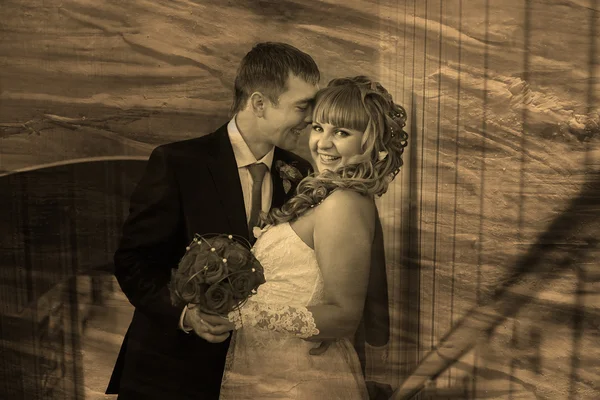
(216, 273)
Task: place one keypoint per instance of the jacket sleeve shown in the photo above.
(151, 243)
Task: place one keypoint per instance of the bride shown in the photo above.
(316, 252)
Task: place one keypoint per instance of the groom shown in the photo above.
(205, 185)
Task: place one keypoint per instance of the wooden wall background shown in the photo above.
(504, 123)
(504, 104)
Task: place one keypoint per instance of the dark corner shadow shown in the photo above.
(59, 227)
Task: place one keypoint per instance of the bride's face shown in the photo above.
(331, 147)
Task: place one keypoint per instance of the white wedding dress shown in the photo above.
(266, 364)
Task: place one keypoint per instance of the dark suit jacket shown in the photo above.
(188, 187)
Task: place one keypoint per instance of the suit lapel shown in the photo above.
(226, 178)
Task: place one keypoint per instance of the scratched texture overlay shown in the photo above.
(491, 230)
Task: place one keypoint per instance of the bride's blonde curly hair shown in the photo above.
(364, 105)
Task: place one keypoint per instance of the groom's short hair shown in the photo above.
(267, 67)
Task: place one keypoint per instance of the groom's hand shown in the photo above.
(211, 328)
(216, 325)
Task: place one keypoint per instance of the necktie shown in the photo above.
(257, 172)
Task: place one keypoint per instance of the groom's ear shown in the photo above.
(257, 104)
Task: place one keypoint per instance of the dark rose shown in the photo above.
(244, 282)
(186, 289)
(237, 257)
(218, 299)
(259, 273)
(186, 263)
(242, 285)
(219, 243)
(193, 260)
(215, 269)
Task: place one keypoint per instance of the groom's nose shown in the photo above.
(308, 117)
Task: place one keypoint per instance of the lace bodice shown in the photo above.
(268, 358)
(291, 270)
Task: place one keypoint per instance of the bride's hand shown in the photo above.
(323, 346)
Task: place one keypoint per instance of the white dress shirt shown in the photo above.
(243, 158)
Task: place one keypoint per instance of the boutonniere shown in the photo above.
(289, 174)
(257, 231)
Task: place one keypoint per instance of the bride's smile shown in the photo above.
(332, 147)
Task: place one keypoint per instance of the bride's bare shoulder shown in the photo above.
(345, 206)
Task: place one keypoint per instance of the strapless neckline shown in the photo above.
(297, 237)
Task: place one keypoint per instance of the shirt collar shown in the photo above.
(242, 153)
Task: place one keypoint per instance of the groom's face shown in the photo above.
(283, 123)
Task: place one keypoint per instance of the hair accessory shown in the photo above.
(398, 115)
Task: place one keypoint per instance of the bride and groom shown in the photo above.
(302, 335)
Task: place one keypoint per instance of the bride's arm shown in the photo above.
(343, 234)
